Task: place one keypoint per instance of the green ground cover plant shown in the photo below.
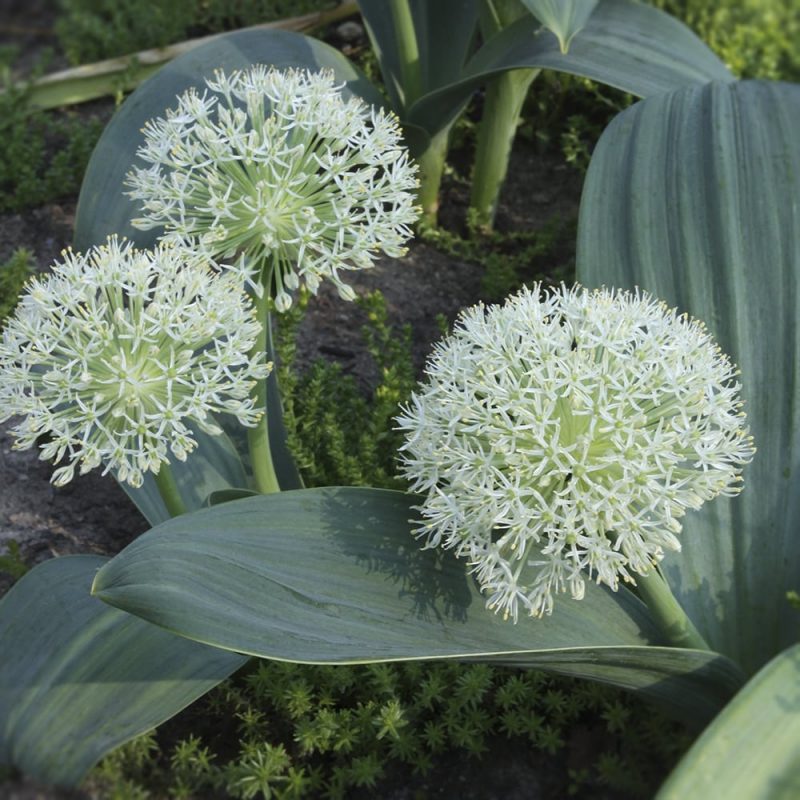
(43, 155)
(338, 732)
(755, 38)
(351, 441)
(13, 274)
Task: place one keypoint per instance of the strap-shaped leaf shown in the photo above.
(443, 30)
(563, 18)
(693, 196)
(334, 576)
(102, 207)
(78, 678)
(751, 751)
(629, 45)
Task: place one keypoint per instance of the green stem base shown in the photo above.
(501, 112)
(431, 166)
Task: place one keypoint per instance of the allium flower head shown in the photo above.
(118, 353)
(564, 435)
(278, 168)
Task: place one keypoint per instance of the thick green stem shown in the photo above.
(168, 489)
(407, 50)
(505, 95)
(671, 618)
(431, 167)
(258, 437)
(501, 112)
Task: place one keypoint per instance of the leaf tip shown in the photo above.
(97, 584)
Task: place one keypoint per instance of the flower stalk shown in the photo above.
(168, 489)
(676, 626)
(502, 108)
(266, 479)
(431, 167)
(501, 113)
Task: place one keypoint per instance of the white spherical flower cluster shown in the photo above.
(562, 436)
(276, 167)
(118, 353)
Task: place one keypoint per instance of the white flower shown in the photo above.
(564, 435)
(119, 352)
(277, 166)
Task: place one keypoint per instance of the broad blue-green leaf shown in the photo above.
(102, 207)
(751, 751)
(693, 196)
(444, 31)
(78, 678)
(563, 18)
(334, 576)
(629, 45)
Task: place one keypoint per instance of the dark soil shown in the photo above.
(28, 26)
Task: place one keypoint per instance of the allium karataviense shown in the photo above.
(119, 353)
(279, 169)
(563, 435)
